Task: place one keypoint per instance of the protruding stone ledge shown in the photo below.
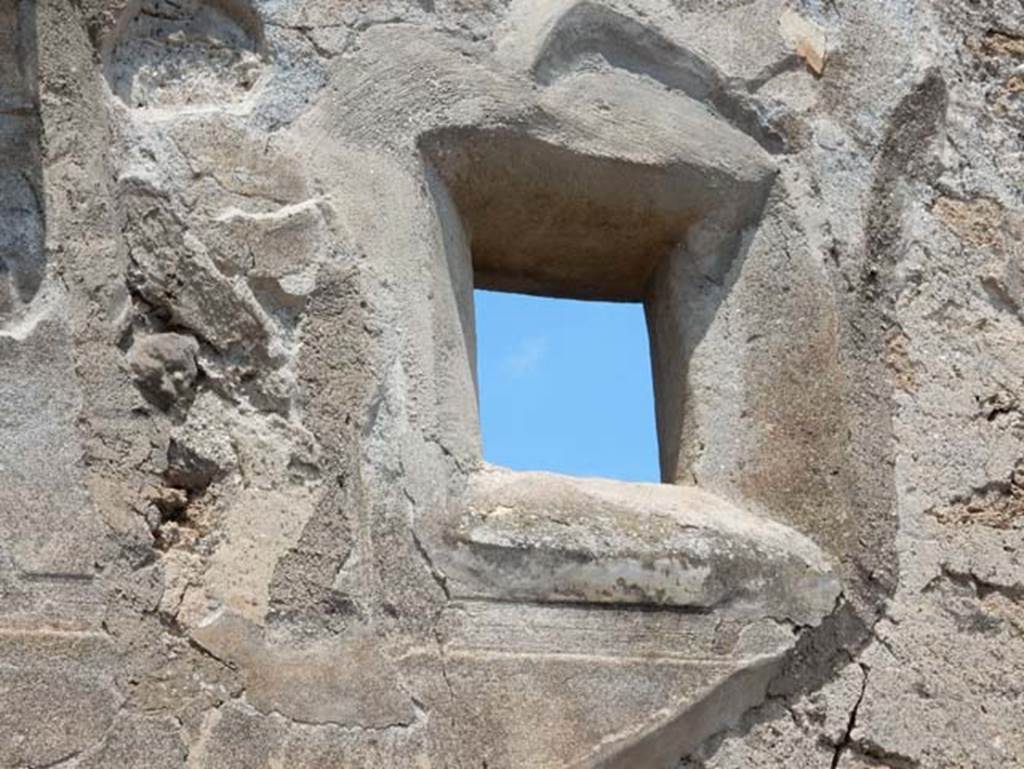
(549, 538)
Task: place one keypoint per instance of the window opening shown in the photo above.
(565, 386)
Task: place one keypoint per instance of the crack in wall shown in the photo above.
(982, 588)
(847, 739)
(436, 573)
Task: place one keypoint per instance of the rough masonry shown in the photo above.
(245, 521)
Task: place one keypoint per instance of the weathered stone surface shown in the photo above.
(549, 538)
(164, 366)
(244, 516)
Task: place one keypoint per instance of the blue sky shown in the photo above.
(566, 386)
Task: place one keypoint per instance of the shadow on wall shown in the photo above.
(22, 215)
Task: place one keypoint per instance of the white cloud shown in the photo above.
(526, 357)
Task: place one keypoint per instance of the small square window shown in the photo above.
(565, 386)
(660, 236)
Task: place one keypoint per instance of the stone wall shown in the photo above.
(246, 521)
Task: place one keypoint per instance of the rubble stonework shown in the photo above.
(246, 520)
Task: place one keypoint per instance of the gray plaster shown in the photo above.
(245, 517)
